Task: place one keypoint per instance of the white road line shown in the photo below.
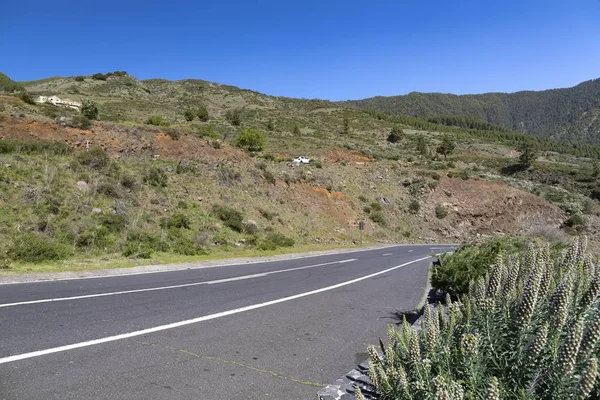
(237, 278)
(387, 254)
(39, 353)
(410, 251)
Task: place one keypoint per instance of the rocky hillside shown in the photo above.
(571, 113)
(124, 188)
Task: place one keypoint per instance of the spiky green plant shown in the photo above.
(516, 335)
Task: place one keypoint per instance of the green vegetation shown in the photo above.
(250, 139)
(156, 120)
(26, 97)
(234, 116)
(543, 113)
(89, 109)
(441, 212)
(395, 135)
(446, 147)
(454, 271)
(527, 156)
(7, 85)
(189, 115)
(202, 113)
(530, 330)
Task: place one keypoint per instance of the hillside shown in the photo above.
(77, 194)
(570, 114)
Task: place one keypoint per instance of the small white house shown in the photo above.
(57, 101)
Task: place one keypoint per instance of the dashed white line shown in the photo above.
(237, 278)
(59, 349)
(387, 254)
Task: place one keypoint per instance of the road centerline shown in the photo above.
(39, 353)
(213, 282)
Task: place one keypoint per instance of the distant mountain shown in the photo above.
(569, 114)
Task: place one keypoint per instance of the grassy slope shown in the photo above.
(563, 113)
(315, 206)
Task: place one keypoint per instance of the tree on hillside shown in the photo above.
(446, 147)
(527, 156)
(395, 135)
(234, 116)
(89, 109)
(346, 127)
(189, 115)
(422, 145)
(202, 113)
(250, 139)
(270, 124)
(296, 130)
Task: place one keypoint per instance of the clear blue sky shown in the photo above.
(314, 49)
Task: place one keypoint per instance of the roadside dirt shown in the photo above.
(484, 207)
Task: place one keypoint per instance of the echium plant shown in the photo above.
(529, 330)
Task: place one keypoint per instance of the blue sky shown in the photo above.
(313, 49)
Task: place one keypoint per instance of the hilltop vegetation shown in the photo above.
(570, 113)
(166, 170)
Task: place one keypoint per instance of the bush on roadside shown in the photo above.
(454, 271)
(530, 330)
(378, 218)
(280, 239)
(230, 217)
(441, 212)
(36, 248)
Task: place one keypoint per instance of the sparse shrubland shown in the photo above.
(528, 329)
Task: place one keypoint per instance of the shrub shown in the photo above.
(250, 139)
(528, 331)
(376, 206)
(395, 135)
(89, 109)
(79, 78)
(107, 189)
(316, 163)
(142, 244)
(36, 248)
(454, 271)
(26, 97)
(99, 76)
(179, 221)
(269, 177)
(267, 214)
(527, 156)
(189, 115)
(367, 209)
(156, 120)
(202, 113)
(441, 212)
(155, 176)
(95, 158)
(378, 218)
(280, 239)
(575, 220)
(234, 116)
(266, 245)
(230, 217)
(113, 222)
(79, 122)
(363, 198)
(270, 125)
(414, 206)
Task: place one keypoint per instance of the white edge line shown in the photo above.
(209, 266)
(59, 349)
(387, 254)
(237, 278)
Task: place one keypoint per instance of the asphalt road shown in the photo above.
(274, 330)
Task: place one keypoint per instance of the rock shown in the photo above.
(251, 226)
(96, 210)
(83, 186)
(169, 169)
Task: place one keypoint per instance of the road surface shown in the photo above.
(272, 330)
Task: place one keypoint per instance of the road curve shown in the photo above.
(253, 331)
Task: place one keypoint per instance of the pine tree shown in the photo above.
(422, 145)
(395, 135)
(446, 147)
(346, 128)
(527, 156)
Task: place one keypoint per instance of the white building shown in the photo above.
(57, 101)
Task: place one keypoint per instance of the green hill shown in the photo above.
(570, 113)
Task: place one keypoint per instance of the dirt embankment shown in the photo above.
(484, 207)
(123, 141)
